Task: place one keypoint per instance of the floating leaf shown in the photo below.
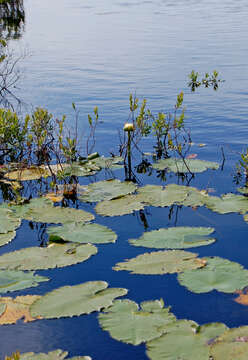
(77, 169)
(157, 196)
(243, 297)
(228, 203)
(108, 162)
(17, 280)
(175, 238)
(188, 165)
(219, 274)
(54, 197)
(6, 238)
(52, 355)
(55, 255)
(231, 345)
(20, 211)
(107, 190)
(243, 190)
(83, 233)
(17, 308)
(76, 300)
(161, 262)
(126, 322)
(185, 340)
(196, 197)
(201, 145)
(57, 215)
(8, 222)
(32, 173)
(117, 207)
(191, 156)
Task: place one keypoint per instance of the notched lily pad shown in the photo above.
(112, 163)
(16, 309)
(175, 238)
(185, 340)
(126, 322)
(232, 344)
(188, 165)
(117, 207)
(218, 274)
(227, 203)
(76, 300)
(161, 262)
(58, 215)
(155, 195)
(17, 280)
(107, 190)
(52, 355)
(8, 222)
(83, 233)
(55, 255)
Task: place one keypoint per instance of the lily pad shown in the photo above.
(107, 190)
(8, 222)
(76, 300)
(188, 165)
(32, 173)
(228, 203)
(55, 255)
(117, 207)
(231, 345)
(195, 198)
(17, 280)
(52, 355)
(185, 340)
(126, 322)
(77, 169)
(243, 190)
(57, 215)
(108, 162)
(175, 238)
(158, 196)
(83, 233)
(161, 262)
(16, 309)
(6, 238)
(219, 274)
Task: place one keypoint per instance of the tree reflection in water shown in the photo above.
(12, 19)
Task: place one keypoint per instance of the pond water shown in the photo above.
(94, 53)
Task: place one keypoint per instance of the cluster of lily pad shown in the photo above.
(73, 242)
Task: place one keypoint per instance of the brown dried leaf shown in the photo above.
(17, 308)
(243, 297)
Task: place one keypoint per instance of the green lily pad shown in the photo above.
(175, 238)
(179, 166)
(117, 207)
(17, 280)
(243, 190)
(227, 204)
(231, 345)
(52, 355)
(6, 238)
(107, 190)
(126, 322)
(195, 198)
(112, 163)
(77, 169)
(20, 211)
(76, 300)
(83, 233)
(55, 255)
(8, 222)
(219, 274)
(161, 262)
(158, 196)
(185, 340)
(57, 215)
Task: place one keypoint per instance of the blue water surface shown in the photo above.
(94, 53)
